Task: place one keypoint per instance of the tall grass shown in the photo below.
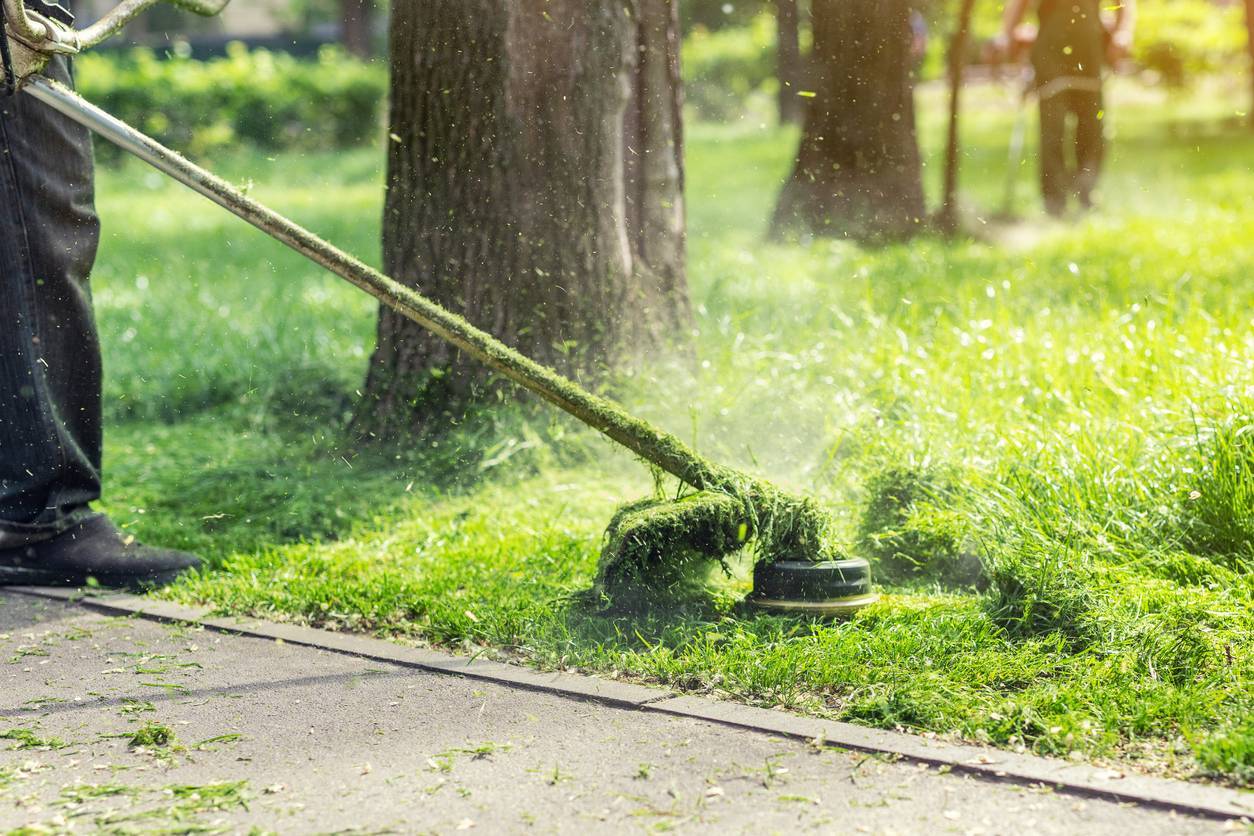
(1043, 437)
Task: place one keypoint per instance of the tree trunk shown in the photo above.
(947, 217)
(356, 30)
(857, 171)
(510, 199)
(653, 164)
(789, 67)
(1249, 42)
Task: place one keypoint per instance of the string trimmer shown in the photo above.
(651, 547)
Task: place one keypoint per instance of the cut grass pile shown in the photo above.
(151, 735)
(27, 739)
(1044, 440)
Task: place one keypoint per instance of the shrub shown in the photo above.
(1179, 39)
(265, 99)
(724, 68)
(727, 67)
(717, 14)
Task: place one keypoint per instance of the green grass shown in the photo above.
(151, 735)
(1043, 437)
(27, 739)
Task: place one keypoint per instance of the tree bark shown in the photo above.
(1249, 42)
(356, 17)
(653, 164)
(947, 217)
(510, 199)
(857, 172)
(789, 66)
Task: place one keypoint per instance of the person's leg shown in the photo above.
(50, 433)
(1054, 176)
(50, 429)
(1089, 142)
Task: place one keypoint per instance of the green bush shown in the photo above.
(719, 14)
(260, 98)
(1177, 39)
(1180, 39)
(723, 68)
(726, 67)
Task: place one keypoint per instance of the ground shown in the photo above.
(1041, 435)
(119, 725)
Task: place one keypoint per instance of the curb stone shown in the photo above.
(995, 764)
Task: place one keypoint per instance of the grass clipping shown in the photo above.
(658, 551)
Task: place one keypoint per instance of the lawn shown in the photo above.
(1042, 436)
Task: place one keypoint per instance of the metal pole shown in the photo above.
(662, 449)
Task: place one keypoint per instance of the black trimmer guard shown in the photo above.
(830, 588)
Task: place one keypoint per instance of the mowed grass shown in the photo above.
(1044, 439)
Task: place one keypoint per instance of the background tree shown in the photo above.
(947, 216)
(857, 170)
(357, 26)
(790, 67)
(1249, 44)
(535, 184)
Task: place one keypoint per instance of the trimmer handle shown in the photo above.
(48, 31)
(32, 36)
(123, 12)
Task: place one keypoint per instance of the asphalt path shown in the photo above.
(292, 739)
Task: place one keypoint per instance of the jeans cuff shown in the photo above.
(15, 535)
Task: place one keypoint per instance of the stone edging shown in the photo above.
(995, 764)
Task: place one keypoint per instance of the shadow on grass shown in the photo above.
(227, 481)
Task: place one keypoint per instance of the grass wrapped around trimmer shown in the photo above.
(659, 550)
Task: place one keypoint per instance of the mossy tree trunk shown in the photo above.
(790, 67)
(511, 198)
(857, 171)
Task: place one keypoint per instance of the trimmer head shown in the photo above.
(829, 589)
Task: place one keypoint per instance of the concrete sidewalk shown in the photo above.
(293, 739)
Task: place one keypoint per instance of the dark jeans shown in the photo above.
(49, 353)
(1060, 178)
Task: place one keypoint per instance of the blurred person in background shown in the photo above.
(1069, 47)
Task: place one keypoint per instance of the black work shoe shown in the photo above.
(94, 549)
